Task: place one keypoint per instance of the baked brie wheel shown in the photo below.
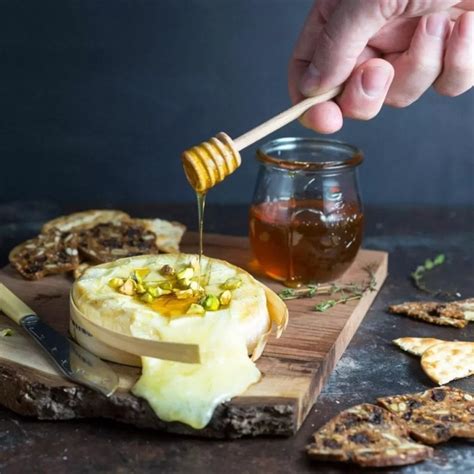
(179, 298)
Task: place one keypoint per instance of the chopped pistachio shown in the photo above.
(156, 291)
(166, 285)
(194, 285)
(225, 297)
(128, 288)
(211, 303)
(185, 274)
(183, 283)
(194, 264)
(116, 282)
(183, 294)
(139, 274)
(8, 332)
(167, 270)
(231, 284)
(195, 309)
(147, 298)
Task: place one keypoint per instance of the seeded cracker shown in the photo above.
(436, 415)
(48, 254)
(367, 435)
(448, 361)
(443, 314)
(111, 241)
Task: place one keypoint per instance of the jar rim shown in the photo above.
(264, 154)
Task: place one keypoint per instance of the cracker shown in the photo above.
(79, 271)
(367, 435)
(447, 361)
(168, 234)
(111, 241)
(443, 314)
(48, 254)
(435, 415)
(85, 220)
(416, 345)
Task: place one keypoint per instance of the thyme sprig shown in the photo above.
(346, 292)
(418, 277)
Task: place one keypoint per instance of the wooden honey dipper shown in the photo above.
(212, 161)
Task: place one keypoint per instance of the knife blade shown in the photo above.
(74, 362)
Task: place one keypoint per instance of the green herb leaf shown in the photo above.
(325, 305)
(421, 270)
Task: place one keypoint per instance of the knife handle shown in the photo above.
(12, 306)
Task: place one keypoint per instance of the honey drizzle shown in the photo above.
(201, 204)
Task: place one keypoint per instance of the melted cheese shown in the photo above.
(190, 392)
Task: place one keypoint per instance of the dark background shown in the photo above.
(99, 97)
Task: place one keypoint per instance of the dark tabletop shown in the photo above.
(371, 366)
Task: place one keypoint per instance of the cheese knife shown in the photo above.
(73, 361)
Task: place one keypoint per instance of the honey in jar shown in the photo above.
(306, 220)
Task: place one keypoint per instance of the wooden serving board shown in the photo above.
(294, 367)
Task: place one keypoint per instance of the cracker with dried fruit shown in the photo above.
(367, 435)
(435, 415)
(48, 254)
(456, 314)
(85, 220)
(110, 241)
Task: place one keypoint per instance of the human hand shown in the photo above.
(386, 51)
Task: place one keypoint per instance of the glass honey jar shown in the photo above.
(306, 217)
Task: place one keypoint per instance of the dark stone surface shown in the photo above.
(371, 366)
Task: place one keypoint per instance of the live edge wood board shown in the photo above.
(294, 367)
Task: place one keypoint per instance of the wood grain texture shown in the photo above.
(295, 367)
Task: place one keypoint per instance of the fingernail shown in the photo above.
(466, 26)
(310, 81)
(374, 81)
(436, 25)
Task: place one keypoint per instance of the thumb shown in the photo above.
(340, 42)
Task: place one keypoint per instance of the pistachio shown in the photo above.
(211, 303)
(185, 274)
(183, 283)
(166, 285)
(194, 285)
(402, 406)
(140, 289)
(116, 282)
(156, 291)
(225, 297)
(194, 264)
(128, 288)
(231, 283)
(147, 298)
(393, 406)
(183, 294)
(195, 309)
(139, 274)
(167, 270)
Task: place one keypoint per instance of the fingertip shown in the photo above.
(323, 118)
(365, 92)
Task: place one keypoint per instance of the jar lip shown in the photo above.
(264, 154)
